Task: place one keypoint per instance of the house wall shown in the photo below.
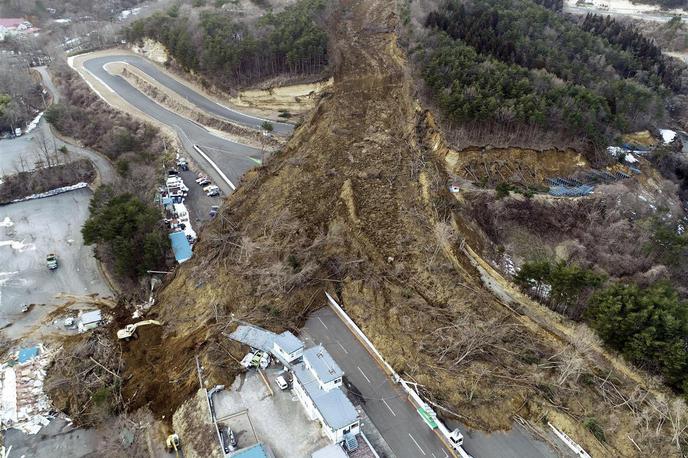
(338, 436)
(311, 411)
(289, 357)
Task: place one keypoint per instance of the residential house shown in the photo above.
(14, 26)
(316, 382)
(287, 347)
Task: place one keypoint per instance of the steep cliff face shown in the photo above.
(357, 204)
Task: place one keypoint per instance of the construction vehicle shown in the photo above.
(130, 330)
(172, 444)
(51, 261)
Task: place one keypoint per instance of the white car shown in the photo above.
(281, 383)
(212, 190)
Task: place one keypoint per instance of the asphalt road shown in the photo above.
(191, 95)
(385, 403)
(393, 415)
(233, 159)
(26, 147)
(28, 232)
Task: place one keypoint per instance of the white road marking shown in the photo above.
(366, 377)
(323, 323)
(414, 441)
(213, 165)
(434, 456)
(390, 409)
(344, 349)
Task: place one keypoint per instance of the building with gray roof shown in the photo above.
(317, 382)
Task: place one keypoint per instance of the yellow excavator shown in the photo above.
(172, 444)
(130, 330)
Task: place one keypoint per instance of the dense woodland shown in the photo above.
(515, 62)
(228, 52)
(648, 325)
(20, 95)
(131, 229)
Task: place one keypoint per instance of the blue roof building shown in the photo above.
(180, 247)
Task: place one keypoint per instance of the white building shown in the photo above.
(90, 320)
(287, 347)
(316, 383)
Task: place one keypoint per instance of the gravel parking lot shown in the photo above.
(28, 232)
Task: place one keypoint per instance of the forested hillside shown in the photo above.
(228, 52)
(516, 62)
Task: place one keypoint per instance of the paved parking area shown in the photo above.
(28, 232)
(55, 440)
(278, 420)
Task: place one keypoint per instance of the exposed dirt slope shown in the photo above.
(355, 204)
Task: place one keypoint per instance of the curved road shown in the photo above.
(231, 158)
(96, 64)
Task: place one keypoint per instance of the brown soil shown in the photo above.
(356, 204)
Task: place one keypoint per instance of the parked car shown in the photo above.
(51, 261)
(229, 442)
(213, 211)
(212, 190)
(281, 383)
(205, 181)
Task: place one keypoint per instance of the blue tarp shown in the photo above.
(166, 201)
(27, 354)
(180, 246)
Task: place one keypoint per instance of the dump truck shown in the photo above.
(130, 330)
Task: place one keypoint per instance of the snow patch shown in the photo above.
(17, 246)
(631, 159)
(7, 222)
(33, 124)
(52, 192)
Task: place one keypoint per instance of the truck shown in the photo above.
(129, 330)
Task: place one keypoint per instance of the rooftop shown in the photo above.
(322, 363)
(180, 246)
(288, 342)
(333, 405)
(11, 21)
(92, 316)
(331, 451)
(254, 337)
(255, 451)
